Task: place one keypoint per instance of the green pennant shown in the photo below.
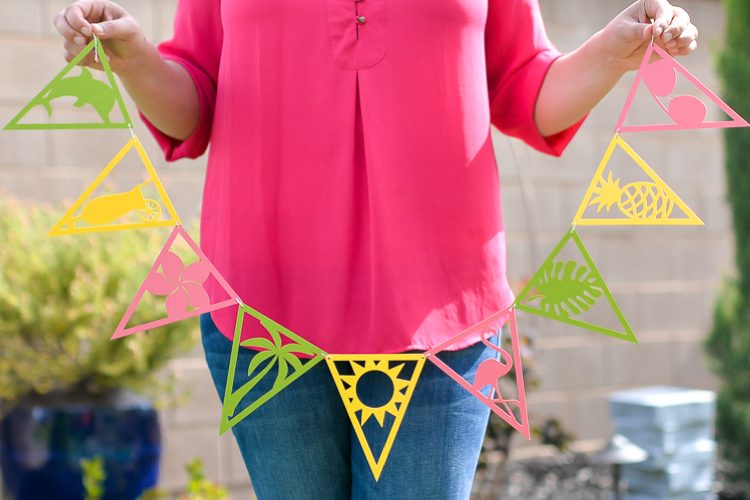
(270, 353)
(86, 89)
(565, 289)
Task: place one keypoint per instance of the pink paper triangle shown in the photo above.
(183, 287)
(686, 112)
(490, 370)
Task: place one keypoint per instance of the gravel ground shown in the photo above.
(563, 477)
(570, 476)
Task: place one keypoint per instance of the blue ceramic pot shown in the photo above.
(41, 445)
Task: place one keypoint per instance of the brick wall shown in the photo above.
(664, 279)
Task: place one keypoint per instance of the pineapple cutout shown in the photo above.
(574, 292)
(379, 419)
(179, 282)
(79, 101)
(272, 368)
(611, 202)
(681, 112)
(491, 372)
(136, 208)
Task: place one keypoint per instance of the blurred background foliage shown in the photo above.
(729, 342)
(62, 298)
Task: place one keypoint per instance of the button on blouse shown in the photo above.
(352, 190)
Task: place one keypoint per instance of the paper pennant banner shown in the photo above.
(88, 92)
(182, 286)
(683, 111)
(279, 352)
(360, 412)
(491, 371)
(639, 203)
(130, 209)
(564, 290)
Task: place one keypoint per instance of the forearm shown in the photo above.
(574, 84)
(164, 92)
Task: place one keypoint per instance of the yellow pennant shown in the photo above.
(132, 209)
(360, 412)
(641, 203)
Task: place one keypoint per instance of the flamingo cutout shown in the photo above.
(490, 372)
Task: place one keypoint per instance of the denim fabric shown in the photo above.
(301, 444)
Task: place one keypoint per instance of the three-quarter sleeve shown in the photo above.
(196, 45)
(518, 56)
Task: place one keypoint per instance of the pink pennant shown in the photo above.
(685, 111)
(491, 370)
(183, 287)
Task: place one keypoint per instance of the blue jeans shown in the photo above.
(301, 445)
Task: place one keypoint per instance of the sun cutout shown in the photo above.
(397, 398)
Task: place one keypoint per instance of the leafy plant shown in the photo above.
(198, 487)
(93, 477)
(729, 342)
(61, 299)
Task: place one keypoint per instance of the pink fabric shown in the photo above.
(352, 189)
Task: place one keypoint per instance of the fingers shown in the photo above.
(124, 28)
(677, 25)
(685, 43)
(661, 12)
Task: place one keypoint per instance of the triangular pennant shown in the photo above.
(490, 371)
(101, 213)
(391, 366)
(563, 289)
(88, 92)
(278, 352)
(640, 203)
(182, 287)
(683, 111)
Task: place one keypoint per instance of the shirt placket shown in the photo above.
(357, 32)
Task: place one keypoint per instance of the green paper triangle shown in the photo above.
(268, 356)
(562, 289)
(89, 91)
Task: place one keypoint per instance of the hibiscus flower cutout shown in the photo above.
(183, 285)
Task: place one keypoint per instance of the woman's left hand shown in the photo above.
(627, 36)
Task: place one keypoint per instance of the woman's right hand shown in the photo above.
(121, 35)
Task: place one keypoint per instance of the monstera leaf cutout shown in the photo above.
(565, 288)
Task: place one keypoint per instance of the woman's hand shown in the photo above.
(627, 36)
(121, 35)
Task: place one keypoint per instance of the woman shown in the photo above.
(351, 192)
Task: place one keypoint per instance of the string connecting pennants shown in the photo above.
(567, 287)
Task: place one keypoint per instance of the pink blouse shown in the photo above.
(352, 191)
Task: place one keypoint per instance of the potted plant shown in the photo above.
(66, 391)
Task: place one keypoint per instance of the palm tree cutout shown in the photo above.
(490, 372)
(564, 289)
(280, 351)
(274, 353)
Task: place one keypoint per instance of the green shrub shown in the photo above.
(729, 342)
(60, 301)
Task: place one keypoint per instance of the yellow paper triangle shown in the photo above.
(101, 213)
(403, 389)
(638, 203)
